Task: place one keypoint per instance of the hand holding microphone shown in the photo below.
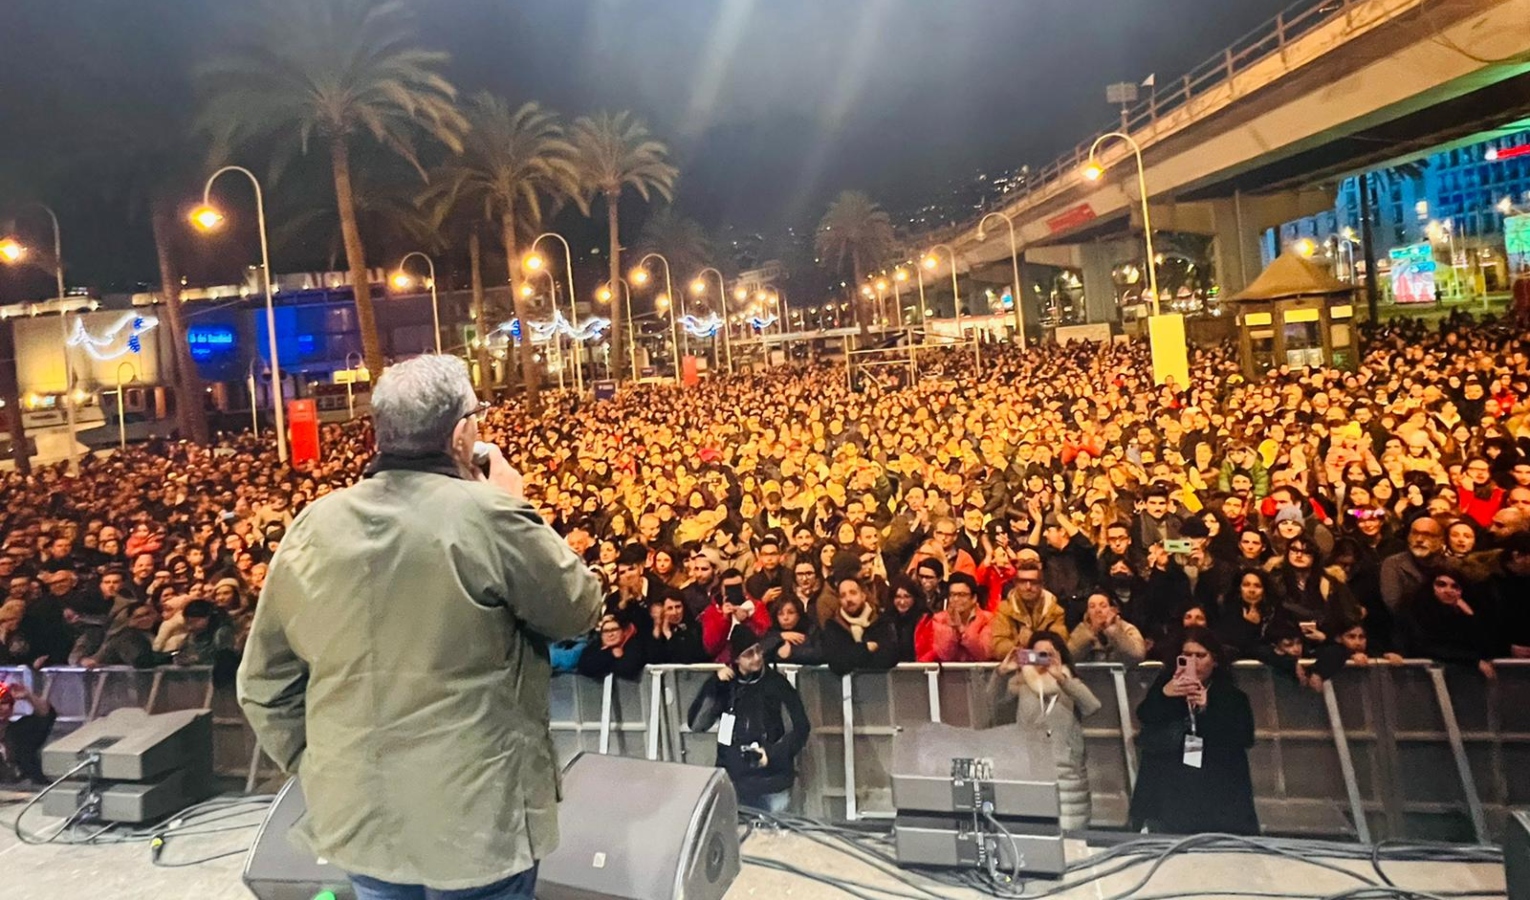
(497, 470)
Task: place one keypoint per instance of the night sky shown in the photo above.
(769, 106)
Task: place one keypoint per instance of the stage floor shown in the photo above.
(124, 871)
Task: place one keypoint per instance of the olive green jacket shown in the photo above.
(398, 665)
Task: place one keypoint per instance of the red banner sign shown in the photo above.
(303, 429)
(1072, 218)
(689, 374)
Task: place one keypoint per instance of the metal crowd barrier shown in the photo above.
(80, 695)
(1411, 751)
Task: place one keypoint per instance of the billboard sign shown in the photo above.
(1413, 272)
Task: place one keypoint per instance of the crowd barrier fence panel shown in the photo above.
(1409, 751)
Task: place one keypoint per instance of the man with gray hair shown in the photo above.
(398, 661)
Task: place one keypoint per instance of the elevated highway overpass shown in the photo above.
(1260, 134)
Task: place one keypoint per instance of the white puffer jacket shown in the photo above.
(1032, 692)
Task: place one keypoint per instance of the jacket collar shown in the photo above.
(434, 463)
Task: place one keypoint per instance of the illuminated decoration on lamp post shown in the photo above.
(762, 324)
(589, 329)
(703, 327)
(106, 347)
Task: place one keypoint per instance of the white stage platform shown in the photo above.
(124, 871)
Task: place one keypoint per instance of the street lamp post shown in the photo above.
(207, 218)
(254, 404)
(402, 280)
(528, 292)
(1014, 261)
(899, 276)
(1168, 361)
(15, 252)
(350, 382)
(640, 276)
(929, 263)
(533, 261)
(722, 303)
(631, 342)
(1094, 171)
(923, 316)
(122, 406)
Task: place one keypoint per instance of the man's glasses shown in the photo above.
(482, 407)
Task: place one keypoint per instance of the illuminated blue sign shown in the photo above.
(207, 341)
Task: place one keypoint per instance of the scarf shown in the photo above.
(857, 624)
(1038, 681)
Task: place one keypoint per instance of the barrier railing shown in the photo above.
(1413, 751)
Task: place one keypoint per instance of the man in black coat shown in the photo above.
(761, 724)
(858, 638)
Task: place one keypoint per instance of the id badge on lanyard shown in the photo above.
(1195, 745)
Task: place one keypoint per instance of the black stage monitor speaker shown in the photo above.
(629, 830)
(146, 766)
(1516, 855)
(968, 799)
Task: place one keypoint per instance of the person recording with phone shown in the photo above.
(1050, 700)
(1197, 728)
(398, 659)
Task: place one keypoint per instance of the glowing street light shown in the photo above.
(674, 321)
(742, 294)
(1306, 247)
(407, 282)
(534, 262)
(639, 276)
(603, 295)
(12, 250)
(698, 286)
(1094, 171)
(207, 218)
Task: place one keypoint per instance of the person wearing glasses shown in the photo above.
(398, 660)
(943, 546)
(1028, 610)
(1317, 599)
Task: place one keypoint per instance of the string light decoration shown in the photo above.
(106, 347)
(762, 324)
(703, 327)
(589, 329)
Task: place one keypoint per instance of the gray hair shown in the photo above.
(417, 403)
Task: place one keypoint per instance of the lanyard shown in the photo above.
(1047, 705)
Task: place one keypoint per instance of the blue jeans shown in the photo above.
(772, 803)
(519, 886)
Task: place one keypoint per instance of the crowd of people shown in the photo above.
(1311, 519)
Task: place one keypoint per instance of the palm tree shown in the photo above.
(857, 229)
(614, 151)
(336, 71)
(682, 241)
(511, 161)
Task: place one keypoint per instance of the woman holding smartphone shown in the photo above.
(1049, 699)
(1197, 728)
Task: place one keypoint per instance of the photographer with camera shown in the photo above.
(761, 723)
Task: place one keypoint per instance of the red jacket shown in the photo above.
(716, 626)
(951, 644)
(994, 580)
(1479, 510)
